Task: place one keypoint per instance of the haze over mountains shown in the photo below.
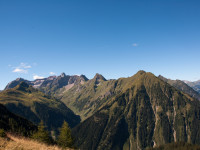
(182, 86)
(195, 85)
(127, 113)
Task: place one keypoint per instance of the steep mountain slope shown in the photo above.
(195, 85)
(146, 112)
(13, 123)
(35, 106)
(53, 84)
(85, 99)
(182, 86)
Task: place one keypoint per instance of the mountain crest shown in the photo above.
(84, 77)
(99, 77)
(22, 86)
(63, 74)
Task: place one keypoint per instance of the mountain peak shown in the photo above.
(99, 77)
(84, 77)
(63, 74)
(163, 78)
(19, 79)
(141, 72)
(22, 86)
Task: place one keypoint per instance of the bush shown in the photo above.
(42, 135)
(2, 133)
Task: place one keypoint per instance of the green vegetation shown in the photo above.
(176, 146)
(141, 112)
(15, 124)
(129, 113)
(182, 87)
(35, 106)
(65, 138)
(2, 133)
(42, 135)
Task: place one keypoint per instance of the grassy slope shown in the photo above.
(144, 111)
(14, 123)
(86, 99)
(177, 146)
(182, 86)
(35, 106)
(21, 143)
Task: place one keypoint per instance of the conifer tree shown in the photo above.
(42, 135)
(65, 138)
(2, 133)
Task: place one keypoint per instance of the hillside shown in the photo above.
(30, 103)
(177, 146)
(85, 99)
(144, 112)
(13, 123)
(182, 86)
(195, 85)
(21, 143)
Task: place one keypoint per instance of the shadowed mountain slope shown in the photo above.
(16, 124)
(144, 112)
(26, 101)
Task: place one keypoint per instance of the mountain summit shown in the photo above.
(35, 106)
(141, 111)
(53, 84)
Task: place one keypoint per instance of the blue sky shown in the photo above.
(113, 37)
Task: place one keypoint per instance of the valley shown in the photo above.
(126, 113)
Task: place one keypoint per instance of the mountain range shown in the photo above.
(34, 105)
(144, 111)
(182, 86)
(127, 113)
(52, 85)
(195, 85)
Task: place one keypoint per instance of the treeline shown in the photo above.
(42, 135)
(64, 138)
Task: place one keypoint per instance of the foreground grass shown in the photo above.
(21, 143)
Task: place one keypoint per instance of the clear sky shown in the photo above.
(115, 38)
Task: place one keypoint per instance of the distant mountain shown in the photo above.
(13, 123)
(26, 101)
(182, 86)
(134, 113)
(52, 85)
(195, 85)
(85, 99)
